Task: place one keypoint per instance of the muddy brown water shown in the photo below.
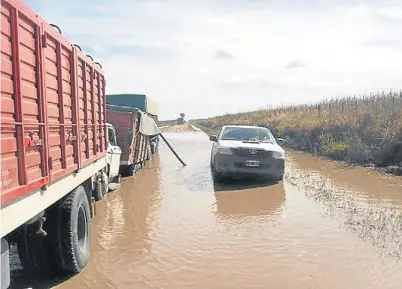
(171, 227)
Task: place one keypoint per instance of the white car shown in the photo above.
(247, 151)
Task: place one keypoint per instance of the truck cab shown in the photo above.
(113, 154)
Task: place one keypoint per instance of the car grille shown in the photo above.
(246, 152)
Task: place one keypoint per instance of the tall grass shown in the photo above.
(361, 129)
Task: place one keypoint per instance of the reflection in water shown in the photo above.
(112, 223)
(264, 200)
(128, 215)
(369, 203)
(368, 183)
(171, 227)
(374, 221)
(121, 231)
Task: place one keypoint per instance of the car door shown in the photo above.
(114, 153)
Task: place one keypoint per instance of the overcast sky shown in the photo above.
(207, 57)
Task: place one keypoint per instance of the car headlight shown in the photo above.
(225, 151)
(278, 154)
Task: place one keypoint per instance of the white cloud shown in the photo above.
(164, 48)
(223, 54)
(392, 12)
(295, 64)
(97, 48)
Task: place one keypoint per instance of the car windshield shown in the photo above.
(247, 134)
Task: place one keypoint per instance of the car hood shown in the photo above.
(240, 144)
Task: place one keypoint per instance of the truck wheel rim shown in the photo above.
(82, 225)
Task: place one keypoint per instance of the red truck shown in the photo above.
(136, 132)
(55, 151)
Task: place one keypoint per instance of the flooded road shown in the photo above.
(171, 227)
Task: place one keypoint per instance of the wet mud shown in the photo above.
(172, 227)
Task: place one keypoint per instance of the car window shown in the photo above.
(220, 133)
(246, 134)
(112, 136)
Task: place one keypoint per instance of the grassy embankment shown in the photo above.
(167, 122)
(361, 130)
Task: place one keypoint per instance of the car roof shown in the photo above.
(244, 126)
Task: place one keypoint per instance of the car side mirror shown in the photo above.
(280, 141)
(213, 138)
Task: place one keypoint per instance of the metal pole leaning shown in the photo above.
(182, 162)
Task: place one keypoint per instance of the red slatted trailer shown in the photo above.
(133, 144)
(53, 129)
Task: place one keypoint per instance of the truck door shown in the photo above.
(113, 152)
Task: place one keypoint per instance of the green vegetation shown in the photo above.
(364, 130)
(167, 122)
(205, 128)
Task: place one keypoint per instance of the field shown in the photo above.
(364, 130)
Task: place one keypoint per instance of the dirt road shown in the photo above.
(326, 226)
(178, 128)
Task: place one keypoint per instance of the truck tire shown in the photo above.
(130, 170)
(32, 251)
(153, 147)
(101, 187)
(149, 152)
(127, 171)
(69, 229)
(116, 179)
